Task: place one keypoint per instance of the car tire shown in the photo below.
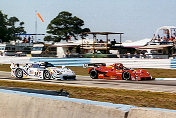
(46, 74)
(19, 73)
(93, 74)
(126, 75)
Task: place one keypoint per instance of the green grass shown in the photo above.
(162, 73)
(5, 67)
(80, 70)
(129, 97)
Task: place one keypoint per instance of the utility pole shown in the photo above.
(35, 25)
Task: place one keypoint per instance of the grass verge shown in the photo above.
(129, 97)
(5, 67)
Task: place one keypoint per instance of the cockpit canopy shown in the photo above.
(42, 65)
(118, 66)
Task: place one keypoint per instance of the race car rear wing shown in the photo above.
(13, 65)
(93, 65)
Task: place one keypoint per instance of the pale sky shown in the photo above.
(138, 19)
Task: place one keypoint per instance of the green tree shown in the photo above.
(9, 27)
(65, 25)
(3, 28)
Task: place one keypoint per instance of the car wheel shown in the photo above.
(126, 75)
(19, 73)
(46, 74)
(93, 74)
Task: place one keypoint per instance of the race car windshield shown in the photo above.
(47, 64)
(35, 65)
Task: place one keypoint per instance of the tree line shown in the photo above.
(62, 27)
(9, 27)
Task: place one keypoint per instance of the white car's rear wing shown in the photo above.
(13, 65)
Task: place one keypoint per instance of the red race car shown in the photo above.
(116, 71)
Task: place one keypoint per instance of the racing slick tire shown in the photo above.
(126, 75)
(46, 74)
(93, 74)
(19, 73)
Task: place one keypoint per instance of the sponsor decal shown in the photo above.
(31, 72)
(49, 70)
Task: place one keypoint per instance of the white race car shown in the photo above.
(41, 70)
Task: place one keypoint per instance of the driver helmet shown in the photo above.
(119, 66)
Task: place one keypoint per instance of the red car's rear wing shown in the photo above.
(93, 65)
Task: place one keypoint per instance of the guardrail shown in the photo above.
(63, 61)
(128, 62)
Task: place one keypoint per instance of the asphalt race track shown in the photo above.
(152, 85)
